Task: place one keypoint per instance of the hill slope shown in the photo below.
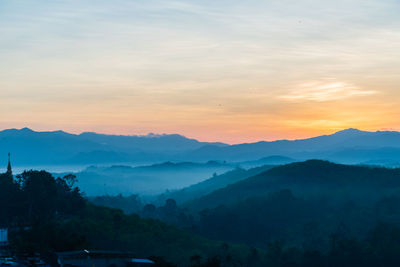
(309, 176)
(305, 204)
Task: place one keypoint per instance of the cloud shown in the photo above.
(325, 91)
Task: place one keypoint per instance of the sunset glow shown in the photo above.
(237, 71)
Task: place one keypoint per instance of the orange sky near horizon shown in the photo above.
(243, 72)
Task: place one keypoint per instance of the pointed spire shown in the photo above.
(9, 169)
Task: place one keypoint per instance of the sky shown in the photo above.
(230, 71)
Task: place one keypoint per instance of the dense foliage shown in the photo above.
(47, 215)
(313, 213)
(36, 196)
(129, 204)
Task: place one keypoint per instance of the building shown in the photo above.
(9, 169)
(8, 175)
(100, 258)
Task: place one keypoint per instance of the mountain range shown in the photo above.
(58, 147)
(353, 146)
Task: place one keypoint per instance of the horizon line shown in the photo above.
(166, 134)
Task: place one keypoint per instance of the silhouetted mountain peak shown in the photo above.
(14, 130)
(17, 132)
(60, 147)
(26, 129)
(350, 132)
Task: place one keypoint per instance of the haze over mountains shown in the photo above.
(46, 148)
(151, 179)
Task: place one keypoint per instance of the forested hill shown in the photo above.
(47, 215)
(309, 205)
(306, 177)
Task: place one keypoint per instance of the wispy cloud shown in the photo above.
(325, 91)
(166, 66)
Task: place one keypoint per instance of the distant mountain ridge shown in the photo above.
(320, 147)
(59, 147)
